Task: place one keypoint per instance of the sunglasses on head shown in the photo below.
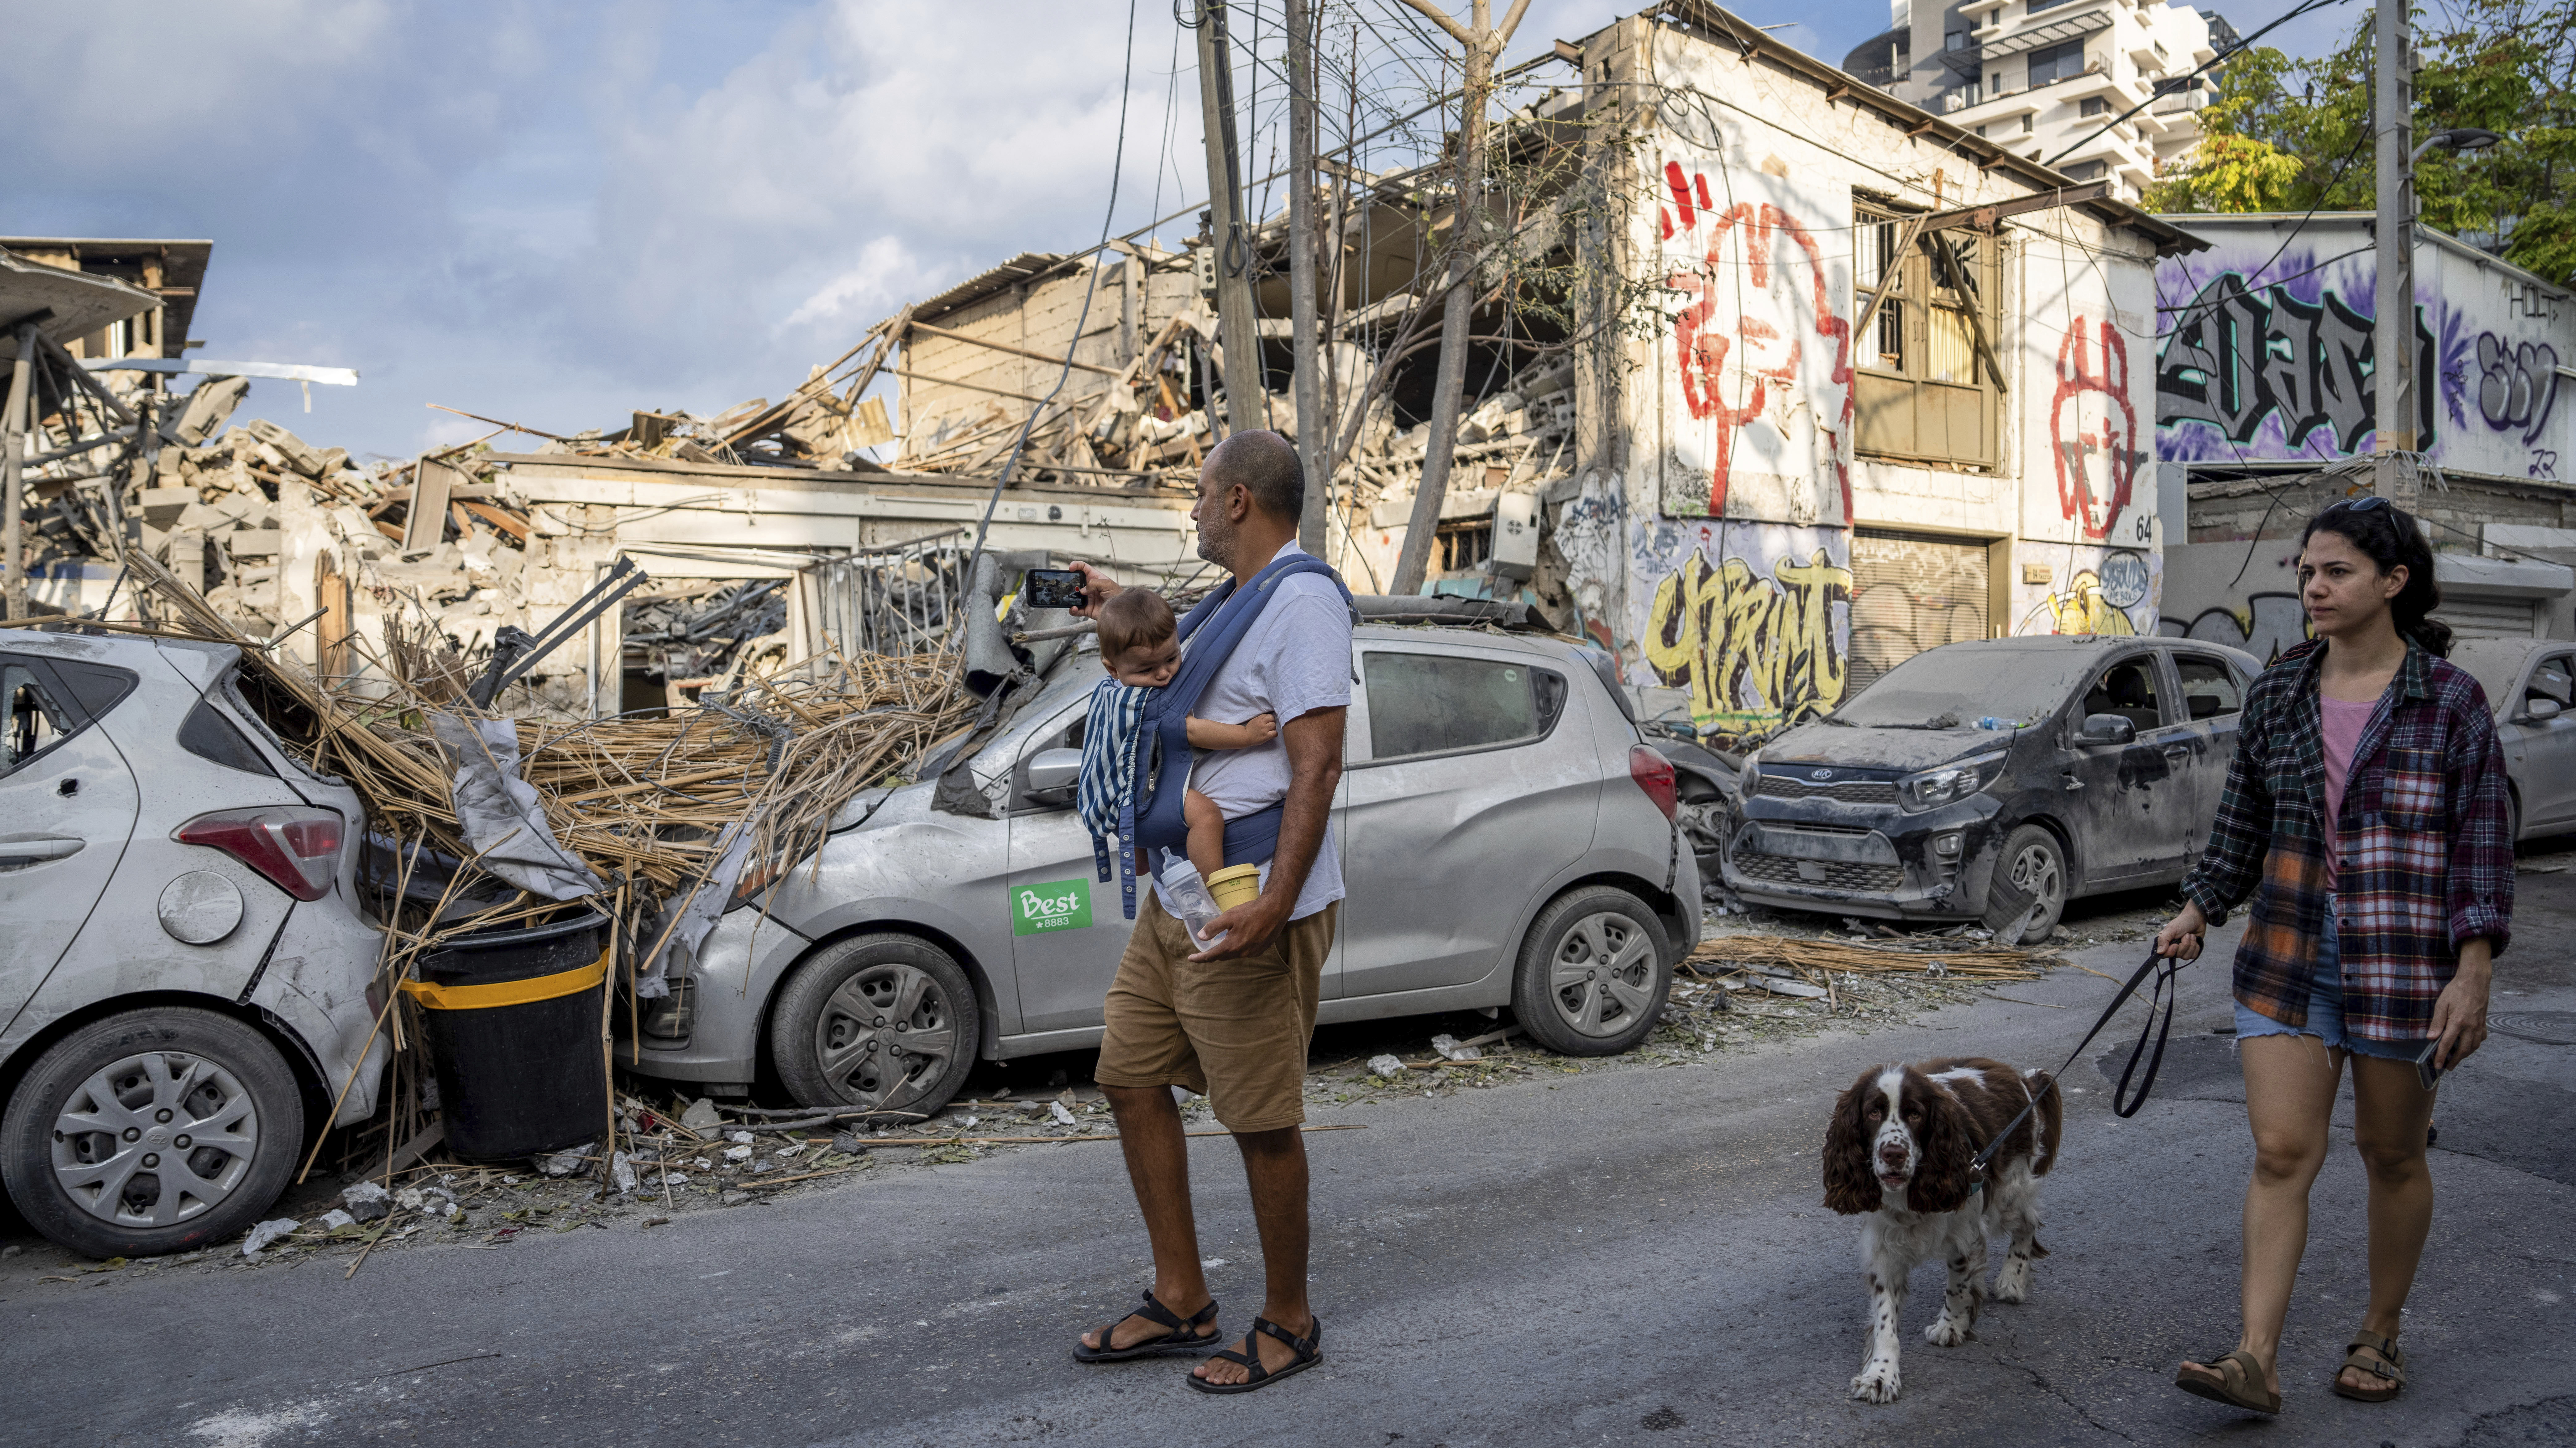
(2357, 505)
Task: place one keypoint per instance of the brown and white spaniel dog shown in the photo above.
(1900, 1147)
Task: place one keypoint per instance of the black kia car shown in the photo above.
(2065, 765)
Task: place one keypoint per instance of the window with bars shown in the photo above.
(1925, 389)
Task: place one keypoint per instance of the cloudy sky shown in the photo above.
(556, 213)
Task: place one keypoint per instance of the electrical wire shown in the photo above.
(1090, 289)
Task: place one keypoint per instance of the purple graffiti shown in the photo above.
(2240, 355)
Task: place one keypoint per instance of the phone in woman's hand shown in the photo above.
(2425, 1070)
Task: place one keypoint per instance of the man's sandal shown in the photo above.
(2235, 1379)
(1306, 1349)
(1180, 1335)
(2389, 1367)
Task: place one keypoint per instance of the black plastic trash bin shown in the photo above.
(511, 1019)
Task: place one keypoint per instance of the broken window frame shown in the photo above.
(1903, 411)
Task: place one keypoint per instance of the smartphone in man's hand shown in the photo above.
(1055, 588)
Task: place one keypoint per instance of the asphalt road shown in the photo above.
(1633, 1256)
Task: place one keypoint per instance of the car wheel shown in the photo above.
(877, 1023)
(1592, 980)
(154, 1131)
(2029, 884)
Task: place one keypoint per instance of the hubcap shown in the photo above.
(856, 1038)
(2036, 870)
(155, 1140)
(1602, 978)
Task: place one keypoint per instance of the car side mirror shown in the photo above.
(2541, 707)
(1053, 774)
(2107, 729)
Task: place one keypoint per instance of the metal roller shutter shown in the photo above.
(1911, 593)
(2474, 617)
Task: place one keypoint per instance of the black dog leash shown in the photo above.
(2163, 968)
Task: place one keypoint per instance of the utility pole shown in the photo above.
(13, 453)
(1313, 428)
(1231, 235)
(2393, 331)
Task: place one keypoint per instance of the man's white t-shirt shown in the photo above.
(1293, 660)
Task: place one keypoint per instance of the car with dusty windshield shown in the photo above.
(1506, 835)
(1995, 780)
(185, 973)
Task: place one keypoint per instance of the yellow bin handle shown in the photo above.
(433, 996)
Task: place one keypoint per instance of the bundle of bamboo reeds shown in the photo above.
(1835, 956)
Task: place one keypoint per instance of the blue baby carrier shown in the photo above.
(1151, 817)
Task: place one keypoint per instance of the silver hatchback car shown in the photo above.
(184, 973)
(2531, 686)
(1506, 835)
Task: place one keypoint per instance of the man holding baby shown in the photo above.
(1230, 1018)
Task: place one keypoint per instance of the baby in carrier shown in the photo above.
(1140, 647)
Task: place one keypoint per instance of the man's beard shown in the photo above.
(1217, 547)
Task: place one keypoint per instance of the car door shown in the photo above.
(1466, 804)
(2212, 700)
(2546, 770)
(67, 807)
(1067, 926)
(2127, 806)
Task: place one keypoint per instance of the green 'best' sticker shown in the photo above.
(1061, 905)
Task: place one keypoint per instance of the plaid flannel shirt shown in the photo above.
(2425, 865)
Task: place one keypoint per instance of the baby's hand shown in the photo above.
(1260, 729)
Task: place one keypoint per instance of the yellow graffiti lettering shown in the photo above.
(1752, 651)
(2081, 609)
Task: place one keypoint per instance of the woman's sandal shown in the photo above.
(2235, 1379)
(2390, 1367)
(1182, 1335)
(1306, 1349)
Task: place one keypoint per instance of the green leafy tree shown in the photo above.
(2287, 134)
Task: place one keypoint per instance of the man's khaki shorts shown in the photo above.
(1234, 1031)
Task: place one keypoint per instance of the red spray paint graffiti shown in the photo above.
(1747, 307)
(2093, 431)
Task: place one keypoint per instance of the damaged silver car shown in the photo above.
(1507, 837)
(184, 974)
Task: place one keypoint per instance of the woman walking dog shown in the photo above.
(2365, 813)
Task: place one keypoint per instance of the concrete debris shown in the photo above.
(1061, 1115)
(264, 1234)
(334, 1219)
(701, 1115)
(1389, 1066)
(849, 1145)
(737, 1153)
(733, 1197)
(622, 1169)
(739, 1138)
(367, 1202)
(568, 1161)
(1450, 1050)
(1789, 987)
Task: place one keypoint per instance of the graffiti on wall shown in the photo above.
(1760, 354)
(2251, 362)
(2267, 624)
(2105, 591)
(2093, 430)
(1752, 618)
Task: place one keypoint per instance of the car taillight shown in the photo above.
(297, 849)
(1654, 774)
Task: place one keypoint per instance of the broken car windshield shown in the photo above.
(1951, 687)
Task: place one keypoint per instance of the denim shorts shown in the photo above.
(2325, 1008)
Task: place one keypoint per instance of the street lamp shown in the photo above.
(2457, 138)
